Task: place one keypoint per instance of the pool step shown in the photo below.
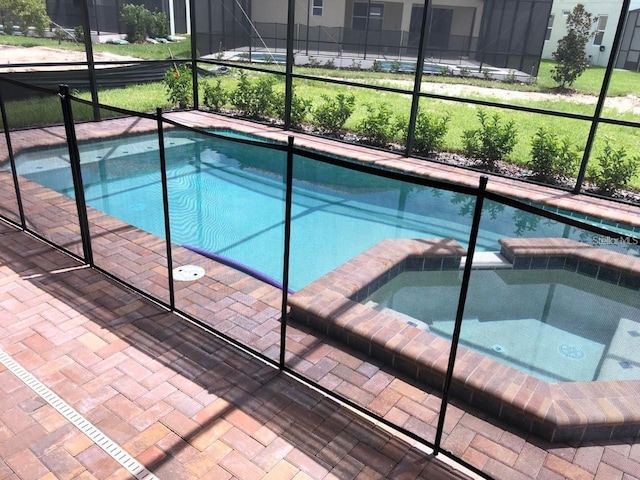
(487, 260)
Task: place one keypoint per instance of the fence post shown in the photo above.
(288, 86)
(285, 259)
(191, 25)
(165, 206)
(455, 338)
(76, 173)
(12, 161)
(88, 48)
(415, 97)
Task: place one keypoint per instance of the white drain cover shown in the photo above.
(187, 273)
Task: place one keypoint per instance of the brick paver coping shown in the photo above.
(555, 411)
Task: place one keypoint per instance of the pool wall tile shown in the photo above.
(556, 262)
(571, 264)
(432, 264)
(609, 275)
(604, 265)
(539, 262)
(587, 268)
(413, 264)
(450, 263)
(523, 263)
(630, 281)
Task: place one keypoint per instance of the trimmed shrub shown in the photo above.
(24, 14)
(299, 108)
(429, 133)
(179, 85)
(215, 96)
(157, 25)
(378, 127)
(135, 18)
(78, 33)
(140, 23)
(491, 142)
(615, 169)
(333, 113)
(552, 158)
(254, 99)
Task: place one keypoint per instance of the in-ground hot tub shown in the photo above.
(608, 406)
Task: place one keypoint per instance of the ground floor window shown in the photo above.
(600, 27)
(549, 27)
(364, 12)
(317, 6)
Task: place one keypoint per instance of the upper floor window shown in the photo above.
(364, 12)
(601, 24)
(316, 7)
(549, 27)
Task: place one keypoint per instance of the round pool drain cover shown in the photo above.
(187, 273)
(571, 351)
(498, 349)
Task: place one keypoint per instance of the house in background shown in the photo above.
(502, 33)
(629, 53)
(598, 48)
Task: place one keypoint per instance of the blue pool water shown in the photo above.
(577, 328)
(228, 198)
(410, 67)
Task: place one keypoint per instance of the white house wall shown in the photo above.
(275, 11)
(611, 8)
(337, 13)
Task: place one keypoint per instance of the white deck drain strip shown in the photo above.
(86, 427)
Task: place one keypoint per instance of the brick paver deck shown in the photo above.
(108, 349)
(185, 404)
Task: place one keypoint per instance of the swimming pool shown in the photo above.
(410, 67)
(228, 198)
(265, 57)
(553, 324)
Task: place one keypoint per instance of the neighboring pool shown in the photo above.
(228, 198)
(261, 57)
(410, 67)
(553, 324)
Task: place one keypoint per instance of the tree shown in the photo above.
(25, 14)
(570, 55)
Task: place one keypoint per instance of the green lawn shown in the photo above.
(623, 82)
(463, 116)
